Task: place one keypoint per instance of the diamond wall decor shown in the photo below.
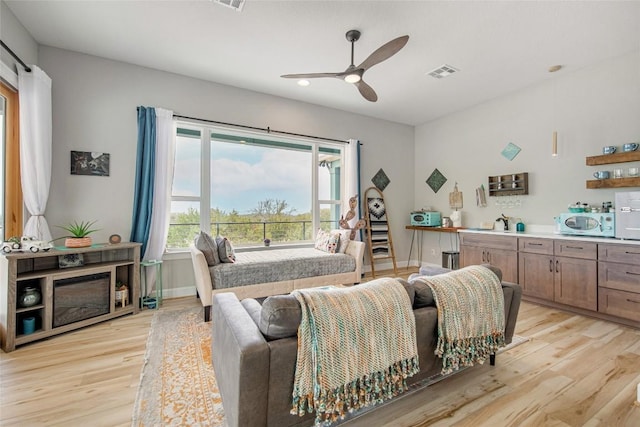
(436, 180)
(380, 180)
(510, 151)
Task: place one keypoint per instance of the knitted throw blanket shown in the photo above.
(356, 347)
(471, 319)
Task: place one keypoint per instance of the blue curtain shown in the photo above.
(145, 171)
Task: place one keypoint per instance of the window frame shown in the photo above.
(204, 199)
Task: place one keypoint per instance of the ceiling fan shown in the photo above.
(354, 74)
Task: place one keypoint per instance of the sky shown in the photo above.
(243, 175)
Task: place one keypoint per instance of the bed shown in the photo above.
(275, 271)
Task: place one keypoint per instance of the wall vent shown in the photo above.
(442, 71)
(233, 4)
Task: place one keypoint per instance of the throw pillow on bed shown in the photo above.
(344, 240)
(225, 249)
(327, 242)
(209, 248)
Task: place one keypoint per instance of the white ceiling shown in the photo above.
(499, 46)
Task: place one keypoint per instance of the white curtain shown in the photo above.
(351, 178)
(35, 147)
(165, 154)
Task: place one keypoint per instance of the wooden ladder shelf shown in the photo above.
(378, 233)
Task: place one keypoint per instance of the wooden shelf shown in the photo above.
(607, 159)
(613, 182)
(435, 229)
(513, 184)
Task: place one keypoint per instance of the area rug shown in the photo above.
(177, 384)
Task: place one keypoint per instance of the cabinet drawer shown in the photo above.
(623, 277)
(489, 241)
(576, 249)
(536, 246)
(619, 303)
(629, 254)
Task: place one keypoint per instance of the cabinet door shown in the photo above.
(507, 261)
(576, 282)
(536, 275)
(472, 255)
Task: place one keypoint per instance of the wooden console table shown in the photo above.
(119, 262)
(420, 228)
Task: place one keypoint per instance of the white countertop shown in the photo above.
(550, 235)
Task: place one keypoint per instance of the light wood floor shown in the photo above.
(575, 371)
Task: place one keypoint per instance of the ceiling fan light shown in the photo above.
(304, 82)
(352, 78)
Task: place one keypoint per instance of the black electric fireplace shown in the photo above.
(80, 298)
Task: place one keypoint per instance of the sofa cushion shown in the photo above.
(344, 240)
(254, 309)
(207, 245)
(280, 316)
(326, 241)
(225, 250)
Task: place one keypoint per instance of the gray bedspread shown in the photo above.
(277, 265)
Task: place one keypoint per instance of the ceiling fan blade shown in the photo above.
(384, 52)
(366, 91)
(310, 75)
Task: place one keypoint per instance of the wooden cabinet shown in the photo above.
(499, 251)
(619, 281)
(62, 294)
(606, 159)
(563, 271)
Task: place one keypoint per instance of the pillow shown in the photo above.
(327, 242)
(344, 240)
(205, 243)
(280, 316)
(254, 309)
(225, 249)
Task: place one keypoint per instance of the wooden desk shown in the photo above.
(416, 228)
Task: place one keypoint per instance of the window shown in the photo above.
(248, 187)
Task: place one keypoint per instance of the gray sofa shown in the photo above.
(254, 351)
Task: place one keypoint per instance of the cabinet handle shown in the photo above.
(489, 257)
(534, 244)
(483, 256)
(575, 247)
(557, 269)
(631, 253)
(632, 273)
(550, 266)
(635, 302)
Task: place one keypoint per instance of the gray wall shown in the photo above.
(17, 38)
(94, 109)
(589, 108)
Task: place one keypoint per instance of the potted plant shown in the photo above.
(267, 242)
(79, 237)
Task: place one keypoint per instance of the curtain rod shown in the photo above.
(267, 129)
(26, 68)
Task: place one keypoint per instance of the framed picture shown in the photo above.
(70, 260)
(89, 163)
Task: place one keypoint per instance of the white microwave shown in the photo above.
(587, 224)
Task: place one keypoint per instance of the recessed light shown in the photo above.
(304, 82)
(555, 68)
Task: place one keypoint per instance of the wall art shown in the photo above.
(436, 180)
(510, 151)
(89, 163)
(380, 180)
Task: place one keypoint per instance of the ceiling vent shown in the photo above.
(442, 71)
(233, 4)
